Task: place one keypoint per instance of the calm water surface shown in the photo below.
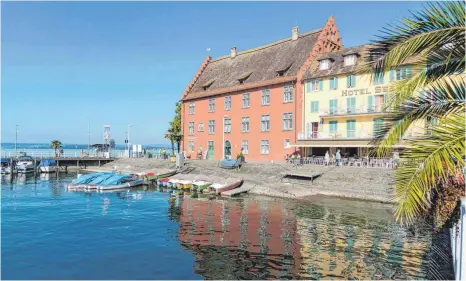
(49, 233)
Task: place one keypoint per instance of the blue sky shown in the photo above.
(65, 64)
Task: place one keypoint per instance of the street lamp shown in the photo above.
(129, 133)
(223, 136)
(16, 140)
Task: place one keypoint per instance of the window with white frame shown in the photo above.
(246, 100)
(287, 143)
(265, 97)
(244, 147)
(244, 124)
(313, 85)
(350, 60)
(265, 123)
(191, 146)
(227, 128)
(228, 103)
(402, 73)
(287, 121)
(288, 93)
(200, 127)
(324, 64)
(211, 126)
(191, 128)
(191, 108)
(212, 105)
(265, 147)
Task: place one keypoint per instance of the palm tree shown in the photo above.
(431, 41)
(170, 135)
(55, 144)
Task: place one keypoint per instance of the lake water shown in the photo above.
(49, 233)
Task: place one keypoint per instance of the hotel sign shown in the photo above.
(355, 92)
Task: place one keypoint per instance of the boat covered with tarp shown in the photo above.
(120, 181)
(82, 181)
(230, 163)
(95, 182)
(48, 165)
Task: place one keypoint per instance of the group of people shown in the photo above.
(336, 158)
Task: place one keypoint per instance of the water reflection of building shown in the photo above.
(337, 244)
(240, 239)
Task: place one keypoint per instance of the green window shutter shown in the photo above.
(321, 85)
(332, 83)
(392, 75)
(317, 106)
(333, 126)
(348, 81)
(335, 82)
(409, 72)
(370, 103)
(354, 80)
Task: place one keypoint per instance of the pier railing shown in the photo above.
(74, 154)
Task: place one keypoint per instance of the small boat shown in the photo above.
(5, 167)
(92, 185)
(230, 163)
(185, 184)
(228, 184)
(201, 185)
(162, 181)
(120, 181)
(82, 181)
(48, 166)
(159, 173)
(173, 183)
(25, 164)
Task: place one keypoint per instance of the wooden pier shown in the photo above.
(80, 162)
(300, 175)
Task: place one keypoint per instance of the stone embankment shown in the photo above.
(373, 184)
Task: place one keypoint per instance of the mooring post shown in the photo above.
(11, 170)
(35, 170)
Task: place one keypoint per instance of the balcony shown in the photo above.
(340, 135)
(352, 111)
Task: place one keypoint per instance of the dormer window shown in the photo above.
(281, 72)
(243, 77)
(350, 60)
(324, 64)
(207, 84)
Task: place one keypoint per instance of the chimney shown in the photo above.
(233, 52)
(294, 33)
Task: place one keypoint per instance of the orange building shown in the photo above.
(252, 101)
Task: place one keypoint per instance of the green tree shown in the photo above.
(432, 43)
(55, 144)
(174, 131)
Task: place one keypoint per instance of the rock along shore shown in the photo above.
(372, 184)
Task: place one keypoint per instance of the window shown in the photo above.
(191, 146)
(200, 127)
(227, 127)
(314, 106)
(287, 121)
(378, 126)
(211, 126)
(212, 105)
(350, 81)
(333, 126)
(379, 103)
(288, 93)
(350, 128)
(191, 129)
(400, 74)
(287, 143)
(333, 106)
(378, 78)
(351, 105)
(323, 64)
(266, 97)
(244, 147)
(246, 100)
(228, 103)
(350, 60)
(265, 123)
(314, 85)
(245, 124)
(265, 147)
(333, 83)
(191, 108)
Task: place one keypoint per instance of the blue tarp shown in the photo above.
(101, 178)
(4, 160)
(49, 162)
(116, 179)
(85, 179)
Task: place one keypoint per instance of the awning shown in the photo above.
(342, 145)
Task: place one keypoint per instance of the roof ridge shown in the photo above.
(267, 45)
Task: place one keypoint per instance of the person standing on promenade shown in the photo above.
(338, 157)
(327, 158)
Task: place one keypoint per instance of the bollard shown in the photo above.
(35, 170)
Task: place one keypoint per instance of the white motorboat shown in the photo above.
(48, 166)
(5, 167)
(25, 164)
